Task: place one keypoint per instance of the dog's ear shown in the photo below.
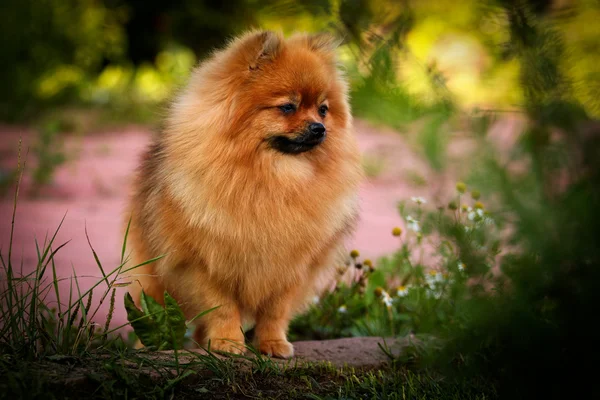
(262, 47)
(324, 42)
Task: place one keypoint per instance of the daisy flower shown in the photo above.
(387, 299)
(434, 277)
(413, 224)
(418, 200)
(401, 291)
(475, 214)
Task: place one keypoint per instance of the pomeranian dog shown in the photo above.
(250, 189)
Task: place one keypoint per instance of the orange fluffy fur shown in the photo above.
(243, 226)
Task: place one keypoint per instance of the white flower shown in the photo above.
(467, 229)
(401, 291)
(461, 266)
(342, 309)
(418, 200)
(413, 224)
(386, 299)
(434, 277)
(315, 300)
(473, 214)
(434, 293)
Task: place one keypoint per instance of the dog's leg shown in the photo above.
(272, 322)
(222, 326)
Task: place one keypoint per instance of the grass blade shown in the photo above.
(202, 314)
(96, 256)
(125, 240)
(116, 270)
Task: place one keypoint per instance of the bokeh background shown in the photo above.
(500, 94)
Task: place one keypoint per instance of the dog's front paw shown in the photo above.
(227, 346)
(277, 348)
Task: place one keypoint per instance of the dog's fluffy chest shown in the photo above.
(262, 236)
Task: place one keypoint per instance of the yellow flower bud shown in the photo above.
(368, 263)
(397, 231)
(475, 194)
(354, 254)
(378, 291)
(478, 204)
(452, 205)
(461, 187)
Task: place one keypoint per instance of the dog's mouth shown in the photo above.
(296, 145)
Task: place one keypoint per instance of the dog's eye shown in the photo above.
(323, 110)
(288, 108)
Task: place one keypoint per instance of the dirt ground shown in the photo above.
(91, 189)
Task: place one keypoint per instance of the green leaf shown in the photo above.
(141, 322)
(162, 336)
(161, 328)
(175, 320)
(149, 305)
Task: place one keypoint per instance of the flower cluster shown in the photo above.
(358, 273)
(422, 289)
(476, 213)
(416, 289)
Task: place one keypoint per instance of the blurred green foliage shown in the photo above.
(412, 56)
(49, 47)
(536, 329)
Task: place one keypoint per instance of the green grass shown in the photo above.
(134, 374)
(29, 328)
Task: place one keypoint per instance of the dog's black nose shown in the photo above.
(317, 130)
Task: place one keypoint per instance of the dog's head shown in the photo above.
(298, 98)
(286, 95)
(267, 102)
